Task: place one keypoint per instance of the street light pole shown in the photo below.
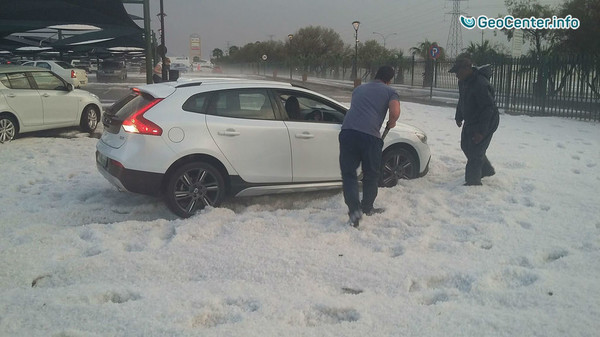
(355, 24)
(290, 36)
(384, 37)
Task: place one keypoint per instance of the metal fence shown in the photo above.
(565, 86)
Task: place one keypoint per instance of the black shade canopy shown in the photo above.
(117, 29)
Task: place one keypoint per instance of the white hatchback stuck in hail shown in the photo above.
(196, 142)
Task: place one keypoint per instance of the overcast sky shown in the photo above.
(223, 23)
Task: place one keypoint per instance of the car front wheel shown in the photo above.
(397, 163)
(8, 128)
(194, 186)
(89, 119)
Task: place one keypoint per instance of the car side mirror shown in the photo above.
(70, 87)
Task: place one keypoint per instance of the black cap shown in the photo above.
(462, 61)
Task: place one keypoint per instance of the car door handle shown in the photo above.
(228, 133)
(45, 95)
(305, 135)
(11, 95)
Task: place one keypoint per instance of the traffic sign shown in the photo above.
(434, 51)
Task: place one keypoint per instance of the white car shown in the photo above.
(33, 99)
(196, 142)
(77, 77)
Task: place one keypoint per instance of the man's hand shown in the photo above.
(477, 138)
(390, 125)
(459, 123)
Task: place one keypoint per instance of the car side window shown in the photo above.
(43, 65)
(4, 80)
(196, 103)
(242, 103)
(48, 81)
(18, 81)
(302, 107)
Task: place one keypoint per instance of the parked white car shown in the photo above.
(77, 77)
(33, 99)
(197, 142)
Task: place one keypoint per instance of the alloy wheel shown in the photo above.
(398, 164)
(193, 187)
(7, 130)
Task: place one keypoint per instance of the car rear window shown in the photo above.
(129, 104)
(64, 65)
(111, 65)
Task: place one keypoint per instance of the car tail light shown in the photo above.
(136, 123)
(73, 74)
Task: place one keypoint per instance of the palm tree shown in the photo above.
(482, 53)
(422, 50)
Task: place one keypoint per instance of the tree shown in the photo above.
(217, 53)
(317, 48)
(540, 38)
(371, 55)
(422, 50)
(583, 40)
(233, 50)
(483, 53)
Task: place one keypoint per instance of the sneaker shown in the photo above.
(374, 211)
(355, 218)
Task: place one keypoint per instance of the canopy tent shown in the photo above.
(27, 22)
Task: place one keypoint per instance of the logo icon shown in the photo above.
(468, 23)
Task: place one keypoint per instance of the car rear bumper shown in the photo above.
(129, 180)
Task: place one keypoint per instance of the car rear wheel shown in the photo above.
(193, 187)
(8, 128)
(89, 119)
(397, 163)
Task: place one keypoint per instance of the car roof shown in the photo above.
(164, 89)
(19, 69)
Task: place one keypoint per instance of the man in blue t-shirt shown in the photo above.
(361, 143)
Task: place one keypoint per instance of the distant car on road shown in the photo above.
(182, 68)
(111, 70)
(197, 142)
(33, 99)
(77, 77)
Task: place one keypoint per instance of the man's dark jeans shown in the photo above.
(356, 148)
(478, 164)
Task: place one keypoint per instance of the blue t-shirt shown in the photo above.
(369, 106)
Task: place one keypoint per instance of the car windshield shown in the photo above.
(64, 65)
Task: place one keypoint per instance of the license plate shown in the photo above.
(101, 159)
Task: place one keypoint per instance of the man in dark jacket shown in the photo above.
(478, 115)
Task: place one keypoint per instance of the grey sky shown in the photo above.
(237, 22)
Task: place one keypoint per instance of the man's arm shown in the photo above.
(394, 107)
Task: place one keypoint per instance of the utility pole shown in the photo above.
(148, 36)
(162, 42)
(454, 44)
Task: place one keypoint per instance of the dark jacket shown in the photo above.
(476, 103)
